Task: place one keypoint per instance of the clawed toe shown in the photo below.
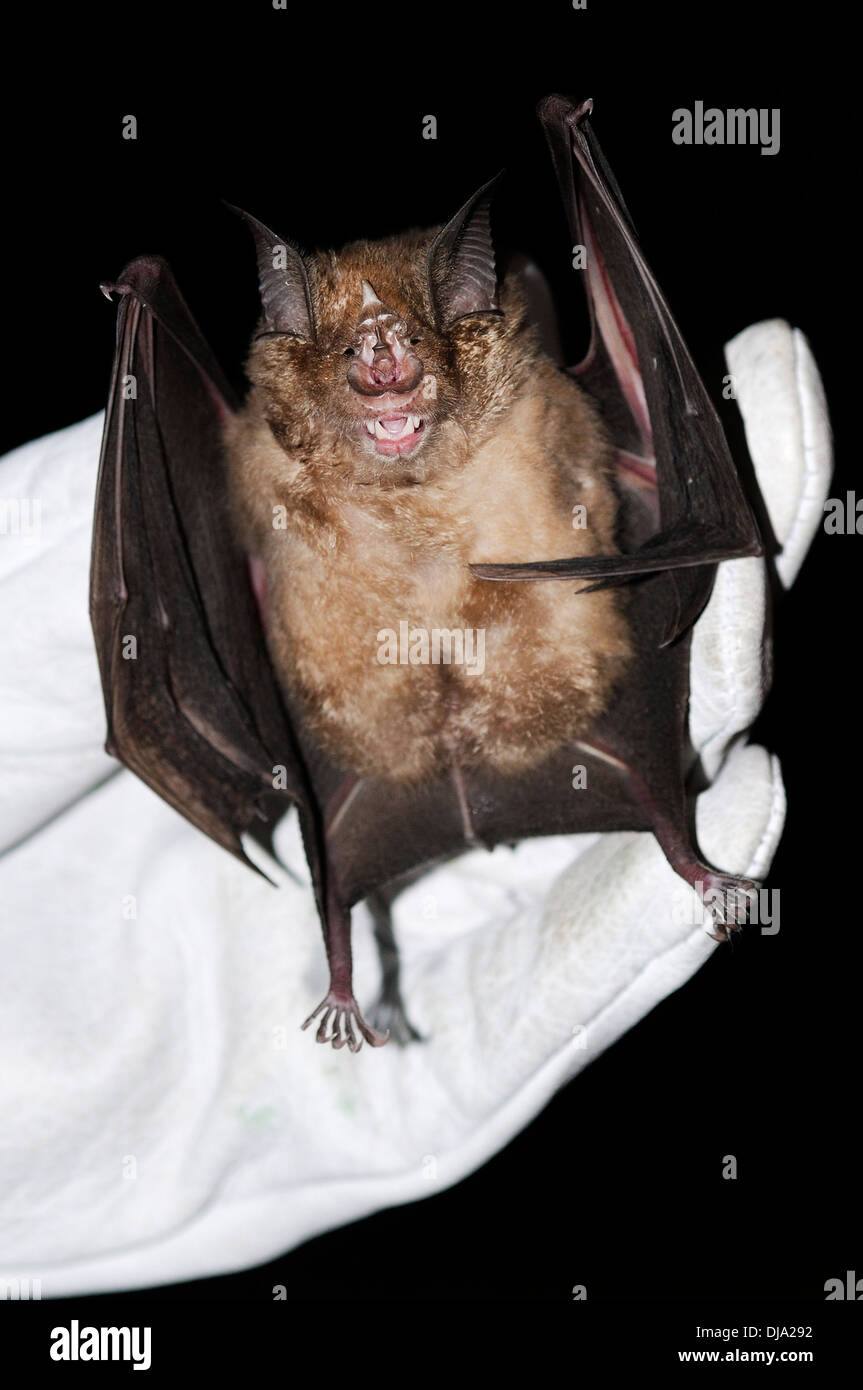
(391, 1019)
(339, 1015)
(729, 902)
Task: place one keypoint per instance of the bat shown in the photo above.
(422, 570)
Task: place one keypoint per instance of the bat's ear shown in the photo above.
(462, 273)
(282, 281)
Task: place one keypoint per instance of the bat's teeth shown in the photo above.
(393, 428)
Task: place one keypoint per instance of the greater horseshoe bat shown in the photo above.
(421, 571)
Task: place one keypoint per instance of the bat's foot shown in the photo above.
(389, 1016)
(339, 1014)
(728, 900)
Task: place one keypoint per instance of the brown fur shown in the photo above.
(510, 445)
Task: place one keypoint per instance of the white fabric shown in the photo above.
(162, 1115)
(779, 393)
(781, 399)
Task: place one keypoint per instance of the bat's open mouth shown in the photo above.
(395, 433)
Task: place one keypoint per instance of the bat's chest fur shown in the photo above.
(413, 667)
(402, 662)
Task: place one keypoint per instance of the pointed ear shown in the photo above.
(462, 274)
(282, 281)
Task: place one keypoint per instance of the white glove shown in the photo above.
(164, 1117)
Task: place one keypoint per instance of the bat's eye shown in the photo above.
(349, 352)
(414, 341)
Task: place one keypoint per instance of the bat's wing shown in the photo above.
(652, 398)
(192, 702)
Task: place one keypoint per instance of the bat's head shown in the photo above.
(385, 361)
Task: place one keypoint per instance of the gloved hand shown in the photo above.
(164, 1116)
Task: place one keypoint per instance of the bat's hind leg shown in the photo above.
(338, 1011)
(389, 1012)
(663, 803)
(726, 896)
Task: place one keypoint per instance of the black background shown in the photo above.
(312, 120)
